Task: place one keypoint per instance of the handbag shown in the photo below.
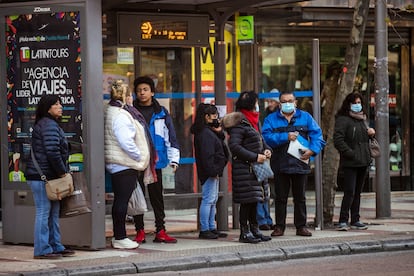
(56, 189)
(262, 170)
(137, 204)
(78, 202)
(374, 147)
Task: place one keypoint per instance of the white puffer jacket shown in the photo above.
(114, 154)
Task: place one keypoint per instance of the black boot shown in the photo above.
(246, 236)
(254, 228)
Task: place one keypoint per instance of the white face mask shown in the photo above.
(257, 108)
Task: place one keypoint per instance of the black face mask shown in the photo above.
(215, 123)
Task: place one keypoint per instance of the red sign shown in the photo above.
(392, 100)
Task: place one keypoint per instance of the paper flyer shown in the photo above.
(297, 147)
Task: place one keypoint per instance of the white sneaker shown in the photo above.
(124, 244)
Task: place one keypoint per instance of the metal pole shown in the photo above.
(383, 191)
(317, 116)
(197, 73)
(220, 98)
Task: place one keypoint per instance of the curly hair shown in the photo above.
(247, 100)
(119, 90)
(346, 104)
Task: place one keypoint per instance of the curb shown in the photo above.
(236, 258)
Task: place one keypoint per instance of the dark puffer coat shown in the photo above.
(352, 141)
(245, 143)
(50, 148)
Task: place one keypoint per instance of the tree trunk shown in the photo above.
(330, 162)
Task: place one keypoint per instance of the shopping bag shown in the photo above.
(78, 202)
(137, 204)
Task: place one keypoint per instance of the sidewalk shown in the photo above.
(396, 233)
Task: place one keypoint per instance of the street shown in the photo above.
(384, 263)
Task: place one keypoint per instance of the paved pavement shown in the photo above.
(395, 233)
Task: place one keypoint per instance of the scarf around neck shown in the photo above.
(252, 117)
(357, 115)
(150, 175)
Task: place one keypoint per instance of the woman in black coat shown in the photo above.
(247, 146)
(351, 139)
(211, 155)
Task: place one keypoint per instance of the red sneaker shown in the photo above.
(162, 236)
(140, 237)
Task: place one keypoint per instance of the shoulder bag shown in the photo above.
(56, 189)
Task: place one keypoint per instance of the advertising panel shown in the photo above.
(43, 57)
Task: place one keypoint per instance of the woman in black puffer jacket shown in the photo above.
(50, 149)
(247, 146)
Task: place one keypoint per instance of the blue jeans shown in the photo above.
(263, 214)
(46, 228)
(209, 191)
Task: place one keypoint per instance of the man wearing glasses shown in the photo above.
(281, 128)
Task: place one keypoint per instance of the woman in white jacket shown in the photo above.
(126, 157)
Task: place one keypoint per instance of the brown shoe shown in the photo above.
(277, 232)
(265, 227)
(303, 232)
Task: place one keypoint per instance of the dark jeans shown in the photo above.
(354, 179)
(247, 213)
(298, 182)
(123, 184)
(155, 192)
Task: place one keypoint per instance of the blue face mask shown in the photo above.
(288, 107)
(356, 107)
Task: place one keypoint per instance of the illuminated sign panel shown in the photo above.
(177, 30)
(160, 30)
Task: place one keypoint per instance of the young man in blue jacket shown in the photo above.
(279, 129)
(167, 149)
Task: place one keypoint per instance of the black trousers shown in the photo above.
(282, 188)
(156, 196)
(354, 179)
(123, 184)
(247, 213)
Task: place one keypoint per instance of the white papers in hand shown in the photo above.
(297, 147)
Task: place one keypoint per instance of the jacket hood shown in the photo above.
(232, 119)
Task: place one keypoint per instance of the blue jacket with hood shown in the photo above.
(163, 136)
